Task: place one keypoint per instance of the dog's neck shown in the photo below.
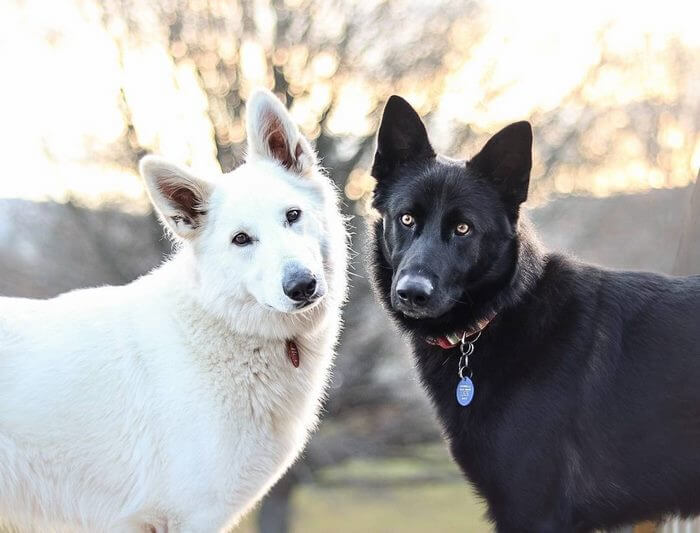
(527, 269)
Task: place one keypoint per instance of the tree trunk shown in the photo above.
(275, 512)
(688, 256)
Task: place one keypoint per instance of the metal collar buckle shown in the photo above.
(466, 347)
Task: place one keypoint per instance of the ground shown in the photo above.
(423, 493)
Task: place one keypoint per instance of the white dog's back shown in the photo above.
(173, 402)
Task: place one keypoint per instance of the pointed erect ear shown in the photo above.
(506, 160)
(273, 135)
(401, 138)
(179, 198)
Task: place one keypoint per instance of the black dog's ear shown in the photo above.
(401, 138)
(506, 160)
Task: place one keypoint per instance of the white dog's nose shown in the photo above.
(300, 285)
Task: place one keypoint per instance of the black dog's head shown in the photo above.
(448, 227)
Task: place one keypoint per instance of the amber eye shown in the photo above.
(407, 220)
(462, 228)
(293, 215)
(241, 239)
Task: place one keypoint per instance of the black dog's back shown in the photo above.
(585, 411)
(642, 418)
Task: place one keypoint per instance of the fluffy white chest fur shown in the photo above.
(171, 403)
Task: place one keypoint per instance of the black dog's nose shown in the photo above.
(300, 286)
(414, 290)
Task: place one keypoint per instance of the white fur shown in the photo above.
(170, 402)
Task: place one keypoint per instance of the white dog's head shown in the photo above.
(258, 234)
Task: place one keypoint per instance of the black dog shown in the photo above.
(570, 394)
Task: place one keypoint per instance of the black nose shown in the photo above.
(300, 286)
(414, 290)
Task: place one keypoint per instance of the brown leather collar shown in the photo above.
(451, 340)
(293, 353)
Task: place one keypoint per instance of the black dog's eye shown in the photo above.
(241, 239)
(293, 215)
(462, 228)
(407, 220)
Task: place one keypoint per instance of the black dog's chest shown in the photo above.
(491, 437)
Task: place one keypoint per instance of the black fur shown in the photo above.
(586, 411)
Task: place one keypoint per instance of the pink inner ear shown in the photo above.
(184, 199)
(277, 141)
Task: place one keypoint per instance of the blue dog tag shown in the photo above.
(465, 392)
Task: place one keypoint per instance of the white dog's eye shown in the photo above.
(241, 239)
(293, 215)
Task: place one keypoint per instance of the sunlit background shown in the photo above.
(611, 88)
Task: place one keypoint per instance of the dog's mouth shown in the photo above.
(308, 303)
(297, 307)
(416, 314)
(426, 316)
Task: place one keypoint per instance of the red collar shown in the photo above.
(451, 340)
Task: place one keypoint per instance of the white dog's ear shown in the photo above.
(273, 135)
(178, 196)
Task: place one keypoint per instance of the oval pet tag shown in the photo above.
(465, 391)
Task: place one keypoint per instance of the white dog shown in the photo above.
(175, 402)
